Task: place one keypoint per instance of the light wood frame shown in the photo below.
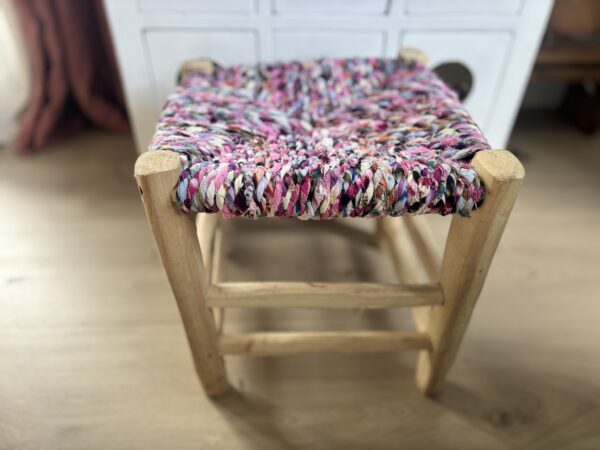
(442, 295)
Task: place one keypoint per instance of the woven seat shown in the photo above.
(322, 139)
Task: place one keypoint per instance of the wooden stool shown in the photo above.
(189, 245)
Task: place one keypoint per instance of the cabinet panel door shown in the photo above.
(483, 54)
(306, 43)
(339, 7)
(167, 49)
(464, 7)
(244, 7)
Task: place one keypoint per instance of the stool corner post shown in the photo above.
(157, 174)
(470, 248)
(157, 162)
(413, 54)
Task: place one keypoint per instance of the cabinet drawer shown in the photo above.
(167, 49)
(342, 7)
(485, 55)
(244, 7)
(464, 7)
(306, 44)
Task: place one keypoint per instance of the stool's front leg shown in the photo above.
(470, 248)
(157, 174)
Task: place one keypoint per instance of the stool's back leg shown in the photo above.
(157, 173)
(470, 248)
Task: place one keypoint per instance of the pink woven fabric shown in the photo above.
(322, 139)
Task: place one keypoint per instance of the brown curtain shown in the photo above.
(75, 79)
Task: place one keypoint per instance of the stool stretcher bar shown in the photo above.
(286, 343)
(322, 295)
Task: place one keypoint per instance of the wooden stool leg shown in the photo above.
(175, 233)
(469, 251)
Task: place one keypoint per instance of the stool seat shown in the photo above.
(362, 137)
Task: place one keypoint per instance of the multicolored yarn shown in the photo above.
(322, 139)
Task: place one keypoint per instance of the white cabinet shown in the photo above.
(496, 40)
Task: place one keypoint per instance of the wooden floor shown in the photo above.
(93, 355)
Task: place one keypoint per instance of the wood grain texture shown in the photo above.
(321, 295)
(413, 263)
(470, 249)
(206, 230)
(422, 240)
(176, 237)
(293, 343)
(93, 354)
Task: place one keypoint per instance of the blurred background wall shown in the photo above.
(566, 75)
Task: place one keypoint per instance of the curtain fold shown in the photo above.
(75, 79)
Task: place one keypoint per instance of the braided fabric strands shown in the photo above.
(363, 137)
